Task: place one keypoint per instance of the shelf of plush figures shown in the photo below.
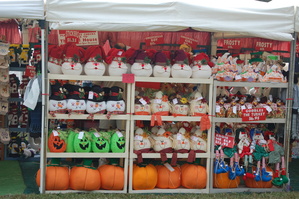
(86, 155)
(239, 120)
(88, 116)
(251, 84)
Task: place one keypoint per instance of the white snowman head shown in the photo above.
(57, 100)
(116, 61)
(55, 59)
(181, 68)
(95, 102)
(73, 57)
(160, 104)
(94, 57)
(76, 100)
(161, 65)
(141, 140)
(115, 103)
(200, 68)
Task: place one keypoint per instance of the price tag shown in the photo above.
(268, 108)
(243, 107)
(169, 167)
(249, 106)
(128, 78)
(119, 53)
(143, 102)
(119, 134)
(158, 101)
(258, 99)
(217, 109)
(90, 95)
(179, 136)
(138, 137)
(235, 109)
(194, 138)
(270, 98)
(246, 142)
(175, 101)
(237, 77)
(199, 98)
(96, 134)
(55, 133)
(270, 173)
(81, 135)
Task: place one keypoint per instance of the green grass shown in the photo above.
(274, 195)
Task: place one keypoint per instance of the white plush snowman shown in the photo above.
(76, 103)
(198, 143)
(180, 107)
(141, 66)
(160, 105)
(55, 59)
(116, 61)
(201, 69)
(162, 140)
(115, 103)
(57, 100)
(181, 140)
(198, 105)
(181, 68)
(73, 56)
(161, 65)
(95, 103)
(94, 57)
(141, 140)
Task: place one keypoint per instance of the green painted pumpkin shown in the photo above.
(70, 141)
(100, 143)
(82, 143)
(118, 142)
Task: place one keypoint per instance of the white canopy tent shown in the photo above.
(247, 18)
(25, 9)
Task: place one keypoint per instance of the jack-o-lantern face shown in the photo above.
(55, 144)
(99, 144)
(118, 143)
(81, 143)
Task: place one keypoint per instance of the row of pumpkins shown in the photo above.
(84, 142)
(111, 177)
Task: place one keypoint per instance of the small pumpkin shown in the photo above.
(222, 181)
(85, 177)
(57, 177)
(145, 177)
(82, 143)
(56, 142)
(251, 183)
(112, 177)
(117, 142)
(100, 143)
(168, 179)
(194, 176)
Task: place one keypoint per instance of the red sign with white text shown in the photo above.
(30, 71)
(187, 40)
(254, 114)
(79, 37)
(154, 40)
(224, 140)
(232, 43)
(263, 45)
(297, 47)
(128, 78)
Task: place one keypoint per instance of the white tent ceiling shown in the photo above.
(25, 9)
(247, 17)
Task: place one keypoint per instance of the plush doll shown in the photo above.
(57, 100)
(142, 105)
(181, 68)
(94, 57)
(198, 143)
(162, 141)
(141, 66)
(141, 140)
(180, 106)
(73, 56)
(116, 60)
(181, 140)
(95, 103)
(160, 105)
(161, 65)
(76, 103)
(201, 69)
(198, 105)
(115, 103)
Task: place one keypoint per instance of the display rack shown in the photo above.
(241, 188)
(133, 156)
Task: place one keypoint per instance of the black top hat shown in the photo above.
(115, 93)
(75, 92)
(57, 92)
(97, 94)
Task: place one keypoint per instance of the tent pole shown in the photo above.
(213, 45)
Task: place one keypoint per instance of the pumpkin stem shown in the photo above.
(87, 162)
(114, 161)
(197, 161)
(55, 161)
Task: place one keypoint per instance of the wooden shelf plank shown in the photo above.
(239, 120)
(167, 118)
(251, 84)
(85, 117)
(86, 155)
(169, 155)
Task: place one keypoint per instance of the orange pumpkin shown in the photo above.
(194, 176)
(144, 177)
(168, 179)
(112, 177)
(55, 143)
(249, 182)
(85, 177)
(57, 178)
(222, 181)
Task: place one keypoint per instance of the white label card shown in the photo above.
(234, 109)
(119, 53)
(143, 102)
(96, 134)
(175, 101)
(169, 167)
(81, 135)
(217, 108)
(243, 107)
(199, 98)
(237, 77)
(119, 134)
(90, 95)
(55, 133)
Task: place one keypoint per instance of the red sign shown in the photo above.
(30, 71)
(254, 114)
(154, 40)
(232, 43)
(297, 47)
(78, 37)
(128, 78)
(224, 140)
(263, 45)
(187, 40)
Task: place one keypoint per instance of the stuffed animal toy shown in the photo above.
(76, 103)
(57, 100)
(95, 101)
(181, 140)
(55, 59)
(198, 105)
(181, 68)
(115, 103)
(200, 68)
(162, 141)
(94, 57)
(142, 105)
(160, 105)
(161, 65)
(73, 56)
(180, 106)
(116, 60)
(141, 66)
(198, 143)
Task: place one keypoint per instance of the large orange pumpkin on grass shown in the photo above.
(112, 177)
(194, 176)
(144, 177)
(168, 179)
(57, 178)
(251, 183)
(222, 181)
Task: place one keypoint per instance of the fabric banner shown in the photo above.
(81, 38)
(263, 46)
(255, 114)
(188, 40)
(232, 43)
(154, 40)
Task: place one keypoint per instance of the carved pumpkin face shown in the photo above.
(55, 144)
(118, 143)
(99, 144)
(82, 143)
